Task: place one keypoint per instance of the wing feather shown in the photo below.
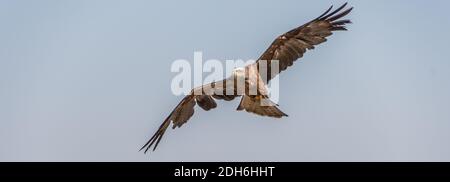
(183, 112)
(292, 45)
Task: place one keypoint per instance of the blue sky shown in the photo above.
(90, 81)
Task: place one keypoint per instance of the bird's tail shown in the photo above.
(260, 105)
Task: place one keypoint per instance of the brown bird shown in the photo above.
(286, 49)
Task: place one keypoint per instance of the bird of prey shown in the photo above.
(286, 49)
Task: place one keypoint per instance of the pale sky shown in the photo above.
(89, 80)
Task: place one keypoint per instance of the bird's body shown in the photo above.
(250, 82)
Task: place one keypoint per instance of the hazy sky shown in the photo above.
(89, 80)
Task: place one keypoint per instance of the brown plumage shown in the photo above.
(291, 46)
(286, 49)
(253, 104)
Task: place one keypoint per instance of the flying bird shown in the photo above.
(285, 49)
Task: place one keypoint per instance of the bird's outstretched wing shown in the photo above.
(291, 46)
(184, 111)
